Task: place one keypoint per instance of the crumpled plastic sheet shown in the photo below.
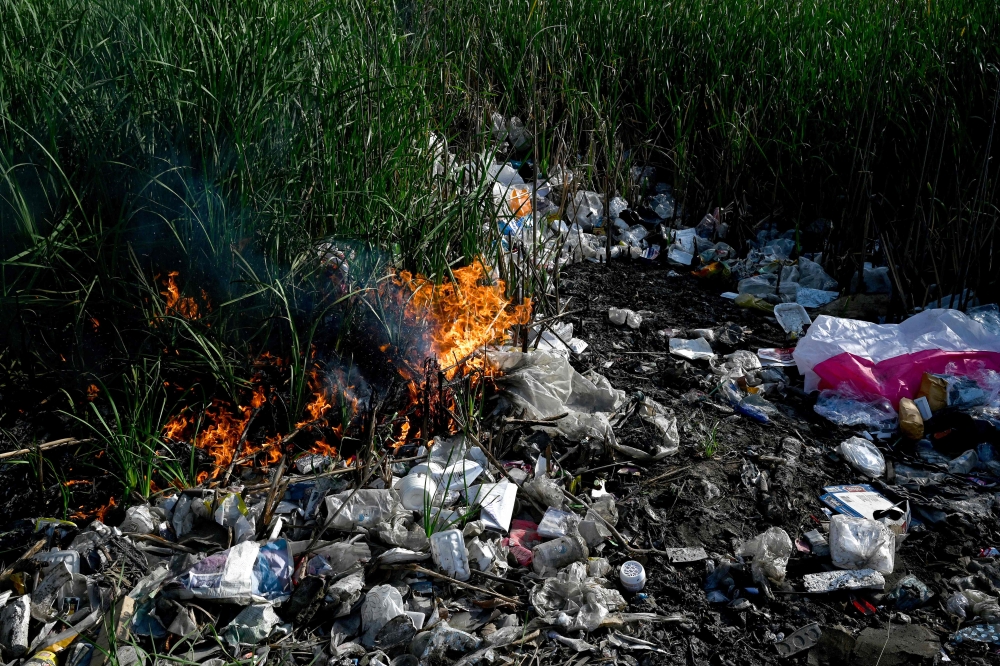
(546, 491)
(859, 543)
(253, 624)
(444, 638)
(770, 552)
(572, 600)
(846, 407)
(545, 385)
(381, 604)
(365, 508)
(346, 591)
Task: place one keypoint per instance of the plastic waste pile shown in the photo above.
(453, 554)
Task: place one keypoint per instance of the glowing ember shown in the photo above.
(99, 513)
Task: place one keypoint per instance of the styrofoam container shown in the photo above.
(416, 492)
(449, 553)
(792, 317)
(70, 557)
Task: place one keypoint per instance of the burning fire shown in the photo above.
(462, 316)
(221, 435)
(181, 306)
(452, 321)
(99, 513)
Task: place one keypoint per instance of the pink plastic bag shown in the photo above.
(890, 359)
(523, 537)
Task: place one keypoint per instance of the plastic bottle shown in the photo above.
(558, 553)
(633, 576)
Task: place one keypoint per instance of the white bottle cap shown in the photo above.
(632, 576)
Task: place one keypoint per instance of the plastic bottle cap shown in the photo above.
(632, 576)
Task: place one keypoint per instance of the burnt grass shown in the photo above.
(693, 498)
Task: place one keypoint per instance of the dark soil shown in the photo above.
(681, 510)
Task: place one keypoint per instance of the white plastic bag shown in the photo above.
(545, 385)
(859, 543)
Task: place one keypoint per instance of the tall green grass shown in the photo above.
(222, 139)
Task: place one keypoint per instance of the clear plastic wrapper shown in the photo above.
(859, 543)
(848, 408)
(770, 552)
(863, 456)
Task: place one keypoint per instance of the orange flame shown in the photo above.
(99, 513)
(221, 434)
(463, 315)
(181, 306)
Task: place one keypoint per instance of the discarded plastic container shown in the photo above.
(863, 456)
(752, 406)
(461, 474)
(679, 256)
(449, 553)
(793, 318)
(553, 555)
(431, 469)
(416, 492)
(632, 575)
(557, 523)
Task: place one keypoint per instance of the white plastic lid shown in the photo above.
(632, 576)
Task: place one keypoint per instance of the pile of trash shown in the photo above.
(420, 561)
(490, 543)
